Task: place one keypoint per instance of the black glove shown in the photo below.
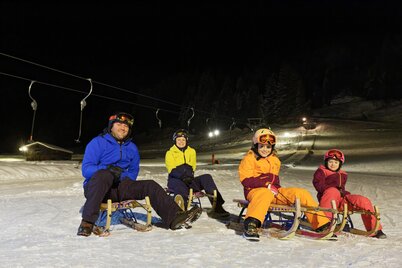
(188, 180)
(116, 172)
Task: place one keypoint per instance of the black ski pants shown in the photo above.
(202, 182)
(100, 188)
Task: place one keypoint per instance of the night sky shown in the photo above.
(184, 55)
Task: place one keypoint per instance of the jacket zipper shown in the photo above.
(184, 156)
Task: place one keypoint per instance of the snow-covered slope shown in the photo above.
(41, 201)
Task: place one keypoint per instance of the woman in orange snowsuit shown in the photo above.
(329, 181)
(259, 175)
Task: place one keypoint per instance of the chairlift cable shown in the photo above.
(100, 83)
(110, 98)
(95, 82)
(93, 94)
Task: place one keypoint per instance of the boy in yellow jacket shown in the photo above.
(259, 175)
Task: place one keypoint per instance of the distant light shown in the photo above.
(304, 119)
(214, 133)
(289, 134)
(23, 149)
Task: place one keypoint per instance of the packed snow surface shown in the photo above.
(41, 201)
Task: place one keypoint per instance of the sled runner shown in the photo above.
(194, 198)
(289, 226)
(344, 222)
(348, 226)
(126, 208)
(305, 229)
(291, 220)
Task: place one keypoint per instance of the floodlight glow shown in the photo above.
(216, 132)
(210, 134)
(23, 149)
(304, 119)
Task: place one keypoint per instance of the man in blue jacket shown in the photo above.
(110, 167)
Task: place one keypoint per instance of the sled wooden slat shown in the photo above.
(111, 207)
(191, 198)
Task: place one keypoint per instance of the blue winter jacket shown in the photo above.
(104, 150)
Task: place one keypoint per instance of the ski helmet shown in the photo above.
(121, 117)
(264, 136)
(180, 133)
(334, 154)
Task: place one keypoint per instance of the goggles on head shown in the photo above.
(267, 138)
(181, 134)
(123, 118)
(335, 154)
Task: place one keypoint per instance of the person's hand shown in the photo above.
(188, 180)
(116, 172)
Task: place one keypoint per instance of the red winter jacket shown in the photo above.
(325, 178)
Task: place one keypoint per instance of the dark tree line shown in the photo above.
(304, 77)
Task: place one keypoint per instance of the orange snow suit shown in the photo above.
(256, 173)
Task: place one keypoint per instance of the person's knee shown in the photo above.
(364, 202)
(102, 176)
(263, 194)
(209, 176)
(206, 177)
(152, 184)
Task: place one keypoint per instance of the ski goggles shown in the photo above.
(335, 154)
(267, 138)
(123, 118)
(181, 134)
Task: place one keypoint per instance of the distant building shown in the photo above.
(38, 151)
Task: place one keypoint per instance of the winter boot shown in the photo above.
(185, 217)
(85, 228)
(380, 235)
(218, 213)
(251, 226)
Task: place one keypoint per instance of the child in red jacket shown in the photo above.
(329, 181)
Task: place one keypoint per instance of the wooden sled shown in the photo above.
(130, 221)
(194, 198)
(288, 218)
(345, 223)
(348, 226)
(291, 225)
